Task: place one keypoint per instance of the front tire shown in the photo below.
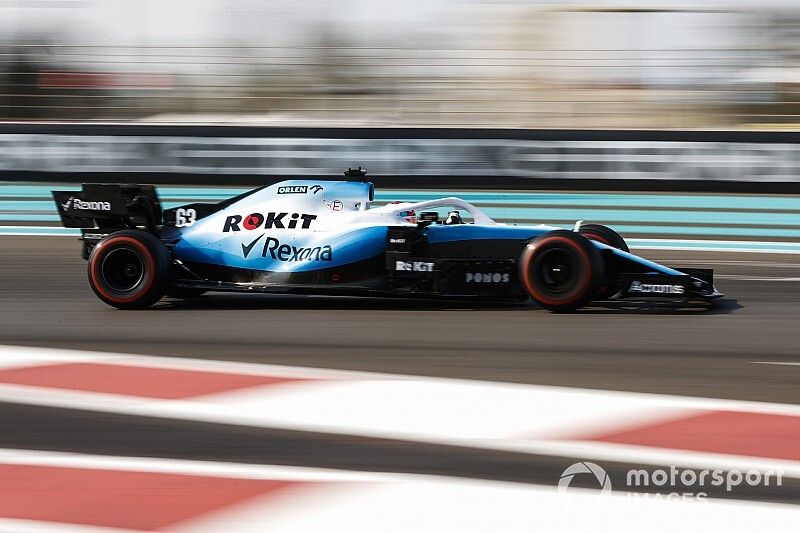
(604, 234)
(561, 270)
(129, 269)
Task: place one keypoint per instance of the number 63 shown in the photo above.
(185, 217)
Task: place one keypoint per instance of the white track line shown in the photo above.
(753, 278)
(772, 264)
(9, 525)
(188, 467)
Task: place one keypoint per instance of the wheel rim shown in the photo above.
(556, 271)
(122, 269)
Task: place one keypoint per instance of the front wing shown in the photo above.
(691, 284)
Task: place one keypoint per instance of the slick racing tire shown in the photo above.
(604, 234)
(130, 269)
(561, 270)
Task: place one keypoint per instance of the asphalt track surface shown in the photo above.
(46, 301)
(717, 352)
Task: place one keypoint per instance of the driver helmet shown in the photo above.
(453, 217)
(410, 215)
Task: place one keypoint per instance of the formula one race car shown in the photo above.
(322, 237)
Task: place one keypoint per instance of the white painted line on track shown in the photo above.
(10, 525)
(773, 264)
(627, 453)
(738, 277)
(711, 248)
(707, 245)
(650, 241)
(188, 467)
(775, 363)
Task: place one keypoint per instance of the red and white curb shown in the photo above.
(63, 492)
(604, 425)
(39, 489)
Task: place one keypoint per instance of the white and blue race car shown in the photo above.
(323, 237)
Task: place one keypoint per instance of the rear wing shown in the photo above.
(109, 207)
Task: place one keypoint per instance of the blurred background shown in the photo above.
(708, 64)
(676, 122)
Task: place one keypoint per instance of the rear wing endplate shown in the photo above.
(109, 206)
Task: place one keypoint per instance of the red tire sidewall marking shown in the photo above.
(150, 263)
(544, 299)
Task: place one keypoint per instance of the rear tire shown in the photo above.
(130, 269)
(561, 270)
